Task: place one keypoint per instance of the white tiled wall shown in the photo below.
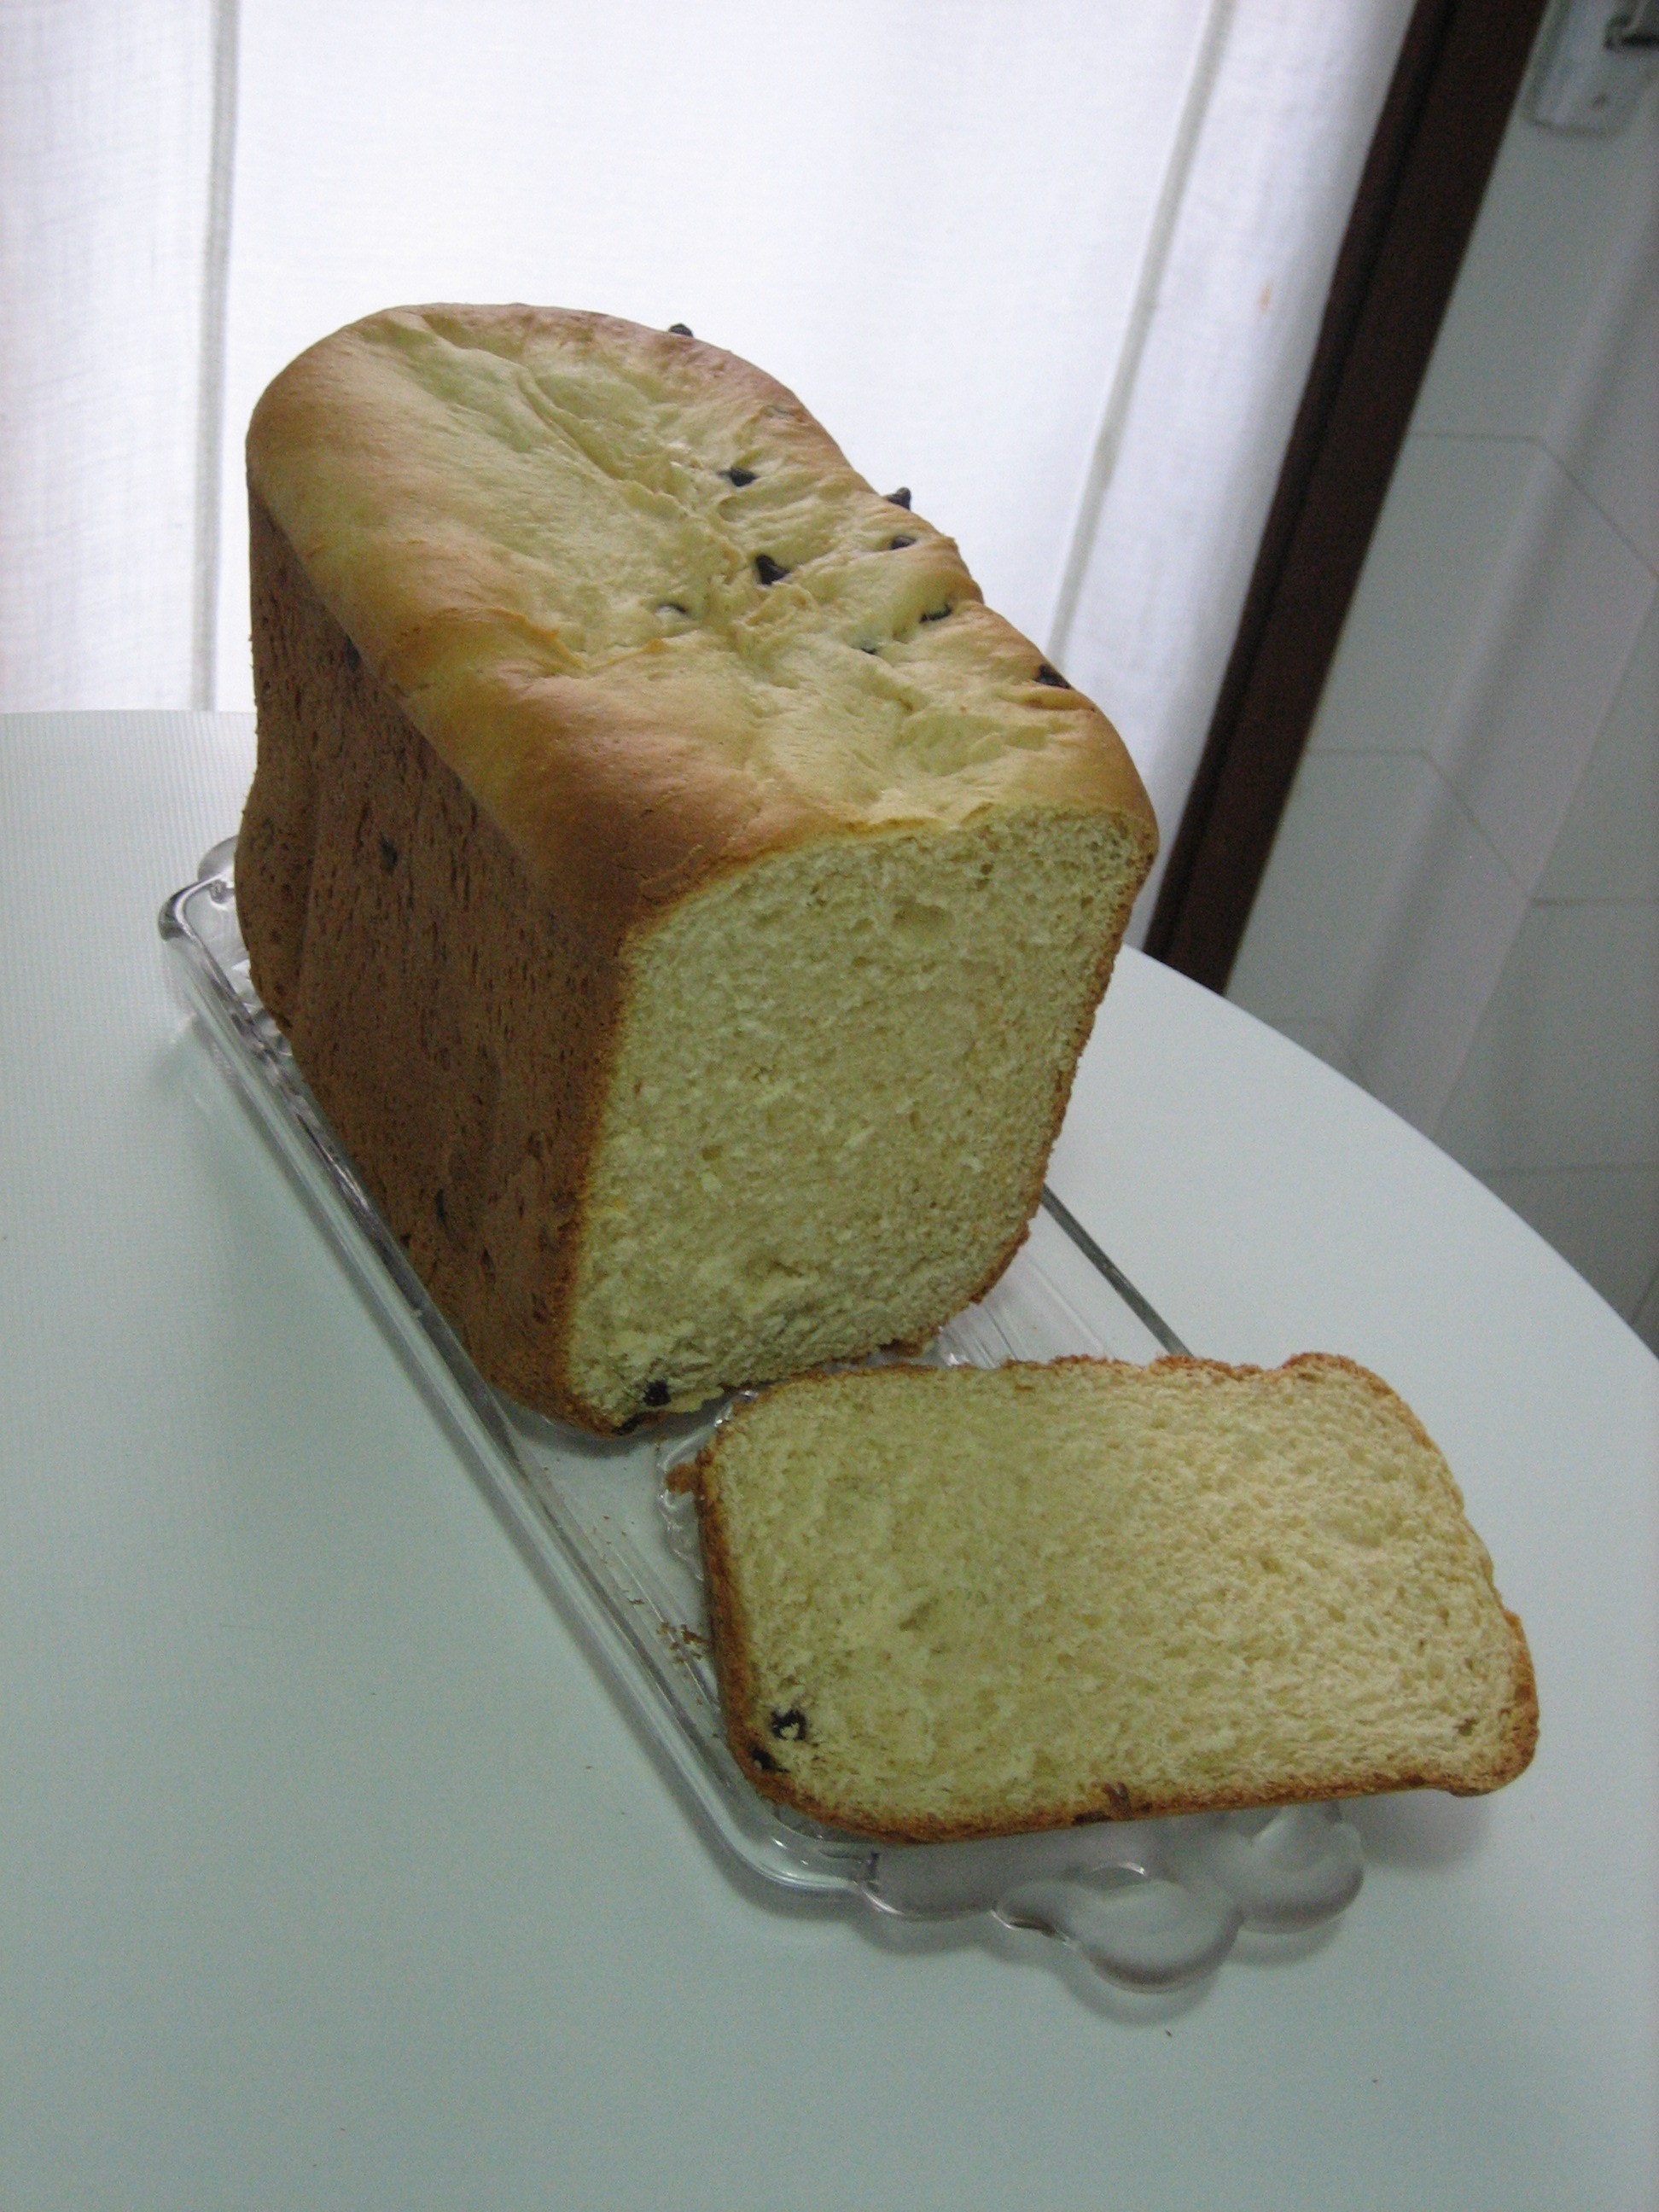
(1462, 907)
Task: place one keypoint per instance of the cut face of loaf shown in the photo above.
(685, 898)
(836, 1088)
(951, 1602)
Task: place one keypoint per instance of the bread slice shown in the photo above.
(959, 1602)
(687, 900)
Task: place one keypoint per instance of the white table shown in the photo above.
(332, 1875)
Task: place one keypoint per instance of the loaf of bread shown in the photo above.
(685, 898)
(954, 1602)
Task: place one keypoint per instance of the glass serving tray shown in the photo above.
(1148, 1904)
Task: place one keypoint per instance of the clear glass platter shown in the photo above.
(1151, 1904)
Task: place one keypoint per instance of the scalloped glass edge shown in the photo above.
(1151, 1904)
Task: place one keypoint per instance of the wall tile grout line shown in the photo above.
(1590, 500)
(1641, 1303)
(1539, 443)
(1538, 900)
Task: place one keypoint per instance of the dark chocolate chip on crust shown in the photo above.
(763, 1759)
(792, 1724)
(680, 330)
(937, 615)
(656, 1392)
(769, 570)
(899, 498)
(738, 476)
(897, 544)
(1048, 674)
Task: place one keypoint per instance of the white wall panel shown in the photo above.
(1549, 228)
(1505, 994)
(1606, 425)
(1604, 1220)
(1451, 509)
(1609, 845)
(1436, 945)
(1565, 609)
(1564, 1069)
(1347, 817)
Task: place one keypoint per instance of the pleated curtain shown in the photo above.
(1057, 266)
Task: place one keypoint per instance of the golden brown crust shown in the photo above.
(454, 1029)
(1109, 1800)
(630, 767)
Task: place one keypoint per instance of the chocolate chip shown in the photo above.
(899, 498)
(937, 615)
(738, 476)
(388, 855)
(1047, 674)
(792, 1724)
(679, 330)
(354, 659)
(656, 1392)
(763, 1759)
(897, 544)
(769, 570)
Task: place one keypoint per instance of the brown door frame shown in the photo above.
(1453, 87)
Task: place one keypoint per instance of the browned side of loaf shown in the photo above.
(1110, 1800)
(456, 1032)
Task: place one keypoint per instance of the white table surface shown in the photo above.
(332, 1874)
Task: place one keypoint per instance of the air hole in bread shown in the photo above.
(915, 918)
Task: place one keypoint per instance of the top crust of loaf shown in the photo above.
(552, 535)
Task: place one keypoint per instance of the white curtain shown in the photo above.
(105, 157)
(1057, 266)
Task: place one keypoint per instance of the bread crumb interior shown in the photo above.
(837, 1082)
(986, 1595)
